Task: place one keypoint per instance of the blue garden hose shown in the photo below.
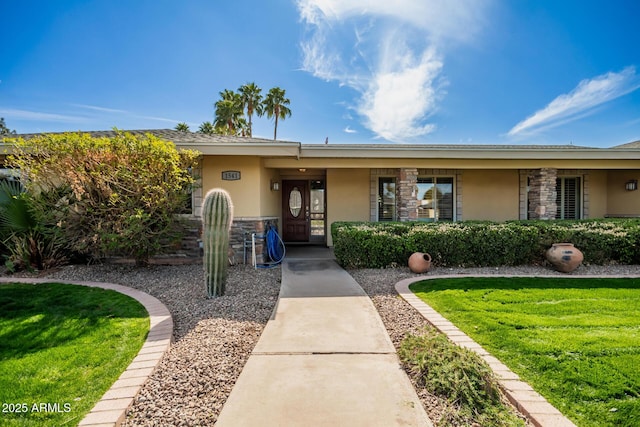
(275, 248)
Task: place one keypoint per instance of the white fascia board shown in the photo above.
(463, 152)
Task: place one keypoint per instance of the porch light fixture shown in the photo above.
(275, 186)
(631, 185)
(302, 170)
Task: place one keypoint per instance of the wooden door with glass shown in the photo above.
(303, 211)
(296, 221)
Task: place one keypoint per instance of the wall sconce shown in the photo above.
(275, 186)
(631, 185)
(302, 170)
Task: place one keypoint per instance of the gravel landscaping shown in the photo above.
(214, 337)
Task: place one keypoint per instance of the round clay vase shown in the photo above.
(419, 262)
(564, 257)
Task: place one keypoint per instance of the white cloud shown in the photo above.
(398, 100)
(101, 109)
(580, 102)
(39, 116)
(128, 113)
(389, 52)
(349, 130)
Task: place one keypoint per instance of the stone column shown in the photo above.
(406, 194)
(542, 194)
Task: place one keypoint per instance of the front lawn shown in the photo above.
(576, 341)
(61, 348)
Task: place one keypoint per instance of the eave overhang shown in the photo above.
(261, 149)
(464, 152)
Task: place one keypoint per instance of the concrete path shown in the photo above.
(324, 358)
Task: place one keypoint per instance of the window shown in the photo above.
(317, 210)
(568, 192)
(387, 199)
(435, 199)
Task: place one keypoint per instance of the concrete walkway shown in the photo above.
(324, 358)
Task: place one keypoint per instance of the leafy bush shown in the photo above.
(480, 244)
(27, 241)
(460, 376)
(108, 196)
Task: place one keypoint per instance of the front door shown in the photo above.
(295, 211)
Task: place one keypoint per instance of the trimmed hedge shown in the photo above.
(483, 244)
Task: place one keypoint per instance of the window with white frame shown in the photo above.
(569, 197)
(435, 198)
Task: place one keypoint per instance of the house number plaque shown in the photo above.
(230, 175)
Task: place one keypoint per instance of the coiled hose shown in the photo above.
(275, 249)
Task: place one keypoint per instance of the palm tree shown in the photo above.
(251, 99)
(4, 130)
(229, 110)
(207, 128)
(275, 105)
(182, 127)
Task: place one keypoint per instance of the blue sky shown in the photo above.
(403, 71)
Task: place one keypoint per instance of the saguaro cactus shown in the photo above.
(217, 214)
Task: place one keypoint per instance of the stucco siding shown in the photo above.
(596, 199)
(347, 196)
(621, 202)
(245, 192)
(270, 201)
(490, 195)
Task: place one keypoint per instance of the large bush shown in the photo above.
(481, 244)
(109, 196)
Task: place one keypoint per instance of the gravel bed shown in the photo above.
(214, 337)
(401, 319)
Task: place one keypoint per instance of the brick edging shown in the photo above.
(531, 404)
(112, 407)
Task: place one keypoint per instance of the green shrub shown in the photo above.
(458, 375)
(27, 239)
(109, 196)
(481, 244)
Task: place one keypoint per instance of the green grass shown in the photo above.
(576, 341)
(63, 345)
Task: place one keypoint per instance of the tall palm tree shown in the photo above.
(207, 128)
(275, 105)
(182, 127)
(229, 110)
(251, 100)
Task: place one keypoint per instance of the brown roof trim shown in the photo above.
(173, 135)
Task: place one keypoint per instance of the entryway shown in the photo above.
(304, 211)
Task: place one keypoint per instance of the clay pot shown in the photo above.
(564, 257)
(419, 262)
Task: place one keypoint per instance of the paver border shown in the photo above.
(111, 409)
(531, 404)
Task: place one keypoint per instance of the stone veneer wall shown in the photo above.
(542, 194)
(526, 197)
(406, 201)
(241, 230)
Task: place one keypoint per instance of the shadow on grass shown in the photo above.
(516, 283)
(41, 316)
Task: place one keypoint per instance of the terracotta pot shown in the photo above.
(564, 257)
(419, 262)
